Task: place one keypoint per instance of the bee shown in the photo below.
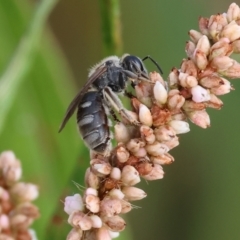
(99, 97)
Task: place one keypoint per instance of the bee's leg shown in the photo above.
(113, 101)
(114, 116)
(128, 94)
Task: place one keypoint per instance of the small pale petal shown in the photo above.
(200, 94)
(179, 126)
(73, 203)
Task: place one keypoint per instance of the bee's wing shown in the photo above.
(73, 105)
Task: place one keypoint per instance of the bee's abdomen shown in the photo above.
(92, 121)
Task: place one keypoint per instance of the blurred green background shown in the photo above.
(199, 198)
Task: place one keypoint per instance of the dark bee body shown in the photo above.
(93, 122)
(106, 80)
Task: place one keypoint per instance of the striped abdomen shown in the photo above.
(92, 122)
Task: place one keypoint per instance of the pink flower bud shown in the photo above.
(126, 206)
(221, 48)
(130, 176)
(116, 193)
(231, 31)
(91, 179)
(135, 144)
(236, 46)
(144, 91)
(233, 12)
(85, 223)
(73, 203)
(173, 143)
(7, 158)
(75, 234)
(96, 221)
(110, 207)
(160, 93)
(190, 49)
(121, 133)
(211, 81)
(189, 67)
(187, 81)
(114, 234)
(101, 234)
(173, 78)
(233, 71)
(4, 222)
(192, 106)
(145, 116)
(147, 133)
(23, 192)
(144, 168)
(115, 223)
(223, 89)
(222, 63)
(214, 102)
(200, 59)
(164, 133)
(203, 45)
(115, 173)
(133, 193)
(157, 148)
(122, 154)
(200, 118)
(200, 94)
(100, 167)
(203, 25)
(163, 159)
(195, 35)
(179, 126)
(216, 24)
(179, 116)
(92, 203)
(175, 100)
(156, 173)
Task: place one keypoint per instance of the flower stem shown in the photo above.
(111, 26)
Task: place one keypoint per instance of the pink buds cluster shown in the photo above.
(202, 76)
(17, 213)
(162, 109)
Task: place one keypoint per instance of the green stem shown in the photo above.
(111, 27)
(20, 63)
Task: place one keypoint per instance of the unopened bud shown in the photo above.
(189, 67)
(126, 206)
(160, 93)
(233, 12)
(156, 173)
(192, 106)
(157, 148)
(179, 126)
(175, 100)
(200, 118)
(214, 102)
(133, 193)
(121, 133)
(100, 167)
(20, 221)
(102, 234)
(190, 49)
(211, 81)
(122, 154)
(164, 133)
(173, 78)
(91, 179)
(115, 223)
(221, 48)
(187, 80)
(163, 159)
(231, 31)
(145, 116)
(223, 89)
(115, 173)
(200, 94)
(110, 206)
(75, 234)
(200, 59)
(73, 203)
(203, 45)
(216, 24)
(203, 25)
(91, 191)
(144, 91)
(233, 71)
(116, 193)
(173, 143)
(24, 192)
(135, 144)
(179, 116)
(147, 133)
(195, 35)
(92, 203)
(222, 63)
(130, 176)
(96, 221)
(144, 168)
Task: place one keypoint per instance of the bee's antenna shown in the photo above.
(149, 57)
